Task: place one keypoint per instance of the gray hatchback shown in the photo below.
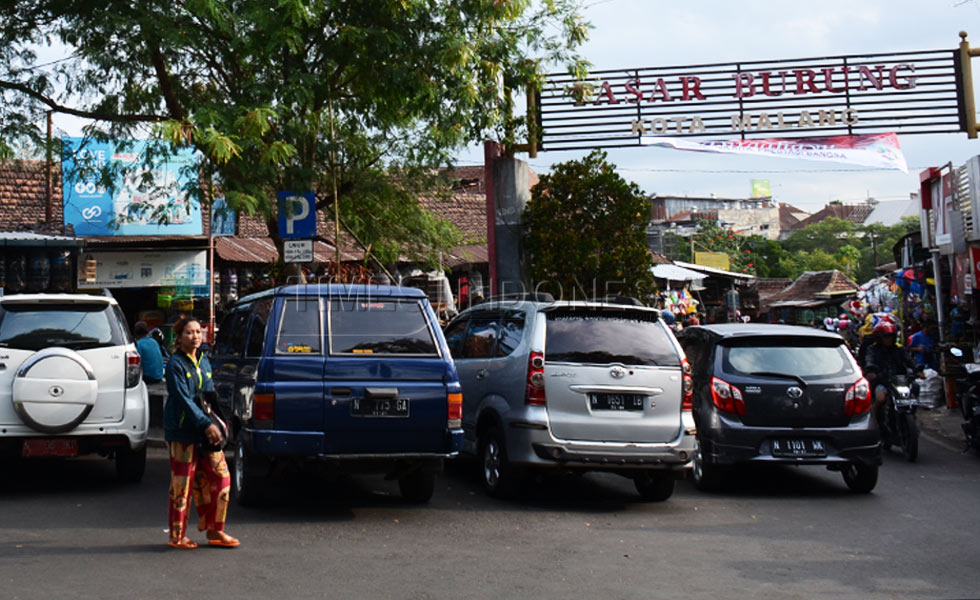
(573, 385)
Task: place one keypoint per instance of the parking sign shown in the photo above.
(297, 215)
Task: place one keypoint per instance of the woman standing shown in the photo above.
(185, 424)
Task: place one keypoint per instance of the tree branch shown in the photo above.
(86, 114)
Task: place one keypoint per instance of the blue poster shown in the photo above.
(222, 218)
(143, 200)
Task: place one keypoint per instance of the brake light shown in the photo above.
(455, 402)
(727, 397)
(264, 408)
(134, 370)
(535, 379)
(688, 401)
(857, 400)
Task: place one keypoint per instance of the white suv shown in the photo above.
(71, 381)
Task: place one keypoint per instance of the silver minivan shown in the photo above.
(573, 385)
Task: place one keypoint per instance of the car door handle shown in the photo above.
(481, 373)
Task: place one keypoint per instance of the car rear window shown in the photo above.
(609, 336)
(800, 357)
(299, 328)
(374, 326)
(76, 326)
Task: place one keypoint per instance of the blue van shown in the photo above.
(357, 377)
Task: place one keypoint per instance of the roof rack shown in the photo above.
(625, 300)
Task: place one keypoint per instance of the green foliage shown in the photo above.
(295, 94)
(585, 232)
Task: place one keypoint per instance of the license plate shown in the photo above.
(799, 448)
(379, 407)
(32, 448)
(616, 401)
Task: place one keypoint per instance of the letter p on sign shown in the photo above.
(297, 215)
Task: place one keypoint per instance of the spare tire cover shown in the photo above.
(54, 390)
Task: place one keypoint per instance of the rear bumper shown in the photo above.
(534, 445)
(310, 444)
(130, 433)
(727, 442)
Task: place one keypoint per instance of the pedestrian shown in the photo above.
(193, 467)
(151, 358)
(922, 346)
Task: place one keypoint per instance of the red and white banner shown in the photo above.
(879, 150)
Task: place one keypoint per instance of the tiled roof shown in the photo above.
(660, 259)
(814, 285)
(22, 196)
(855, 213)
(466, 210)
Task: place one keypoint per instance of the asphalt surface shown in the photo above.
(67, 529)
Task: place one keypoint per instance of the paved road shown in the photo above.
(68, 530)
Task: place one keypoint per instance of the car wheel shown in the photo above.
(654, 486)
(966, 407)
(860, 479)
(245, 485)
(706, 476)
(130, 465)
(910, 436)
(417, 487)
(498, 475)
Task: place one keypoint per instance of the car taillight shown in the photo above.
(264, 409)
(857, 401)
(688, 402)
(727, 397)
(455, 401)
(535, 379)
(133, 369)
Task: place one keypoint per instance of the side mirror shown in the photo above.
(956, 352)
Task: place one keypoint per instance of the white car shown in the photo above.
(71, 381)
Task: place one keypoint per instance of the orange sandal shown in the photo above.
(184, 544)
(225, 541)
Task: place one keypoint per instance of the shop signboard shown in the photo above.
(145, 269)
(717, 260)
(143, 199)
(222, 218)
(904, 92)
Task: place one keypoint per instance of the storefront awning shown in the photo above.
(263, 250)
(676, 273)
(714, 271)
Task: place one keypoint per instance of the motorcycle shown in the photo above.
(969, 401)
(898, 424)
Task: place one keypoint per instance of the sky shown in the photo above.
(653, 33)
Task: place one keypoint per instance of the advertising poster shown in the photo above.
(142, 200)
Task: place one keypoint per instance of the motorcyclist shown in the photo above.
(885, 359)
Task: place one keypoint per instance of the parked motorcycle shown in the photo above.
(969, 400)
(898, 424)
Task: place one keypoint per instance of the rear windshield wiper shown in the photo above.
(780, 375)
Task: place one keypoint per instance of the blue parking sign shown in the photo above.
(297, 215)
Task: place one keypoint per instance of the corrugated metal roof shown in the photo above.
(27, 238)
(263, 250)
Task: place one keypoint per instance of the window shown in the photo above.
(377, 326)
(299, 328)
(455, 334)
(480, 338)
(72, 325)
(800, 357)
(603, 336)
(239, 330)
(511, 332)
(260, 318)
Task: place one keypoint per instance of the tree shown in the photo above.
(354, 100)
(585, 232)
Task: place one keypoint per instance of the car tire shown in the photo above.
(499, 477)
(910, 437)
(130, 465)
(245, 485)
(654, 486)
(417, 487)
(706, 476)
(861, 479)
